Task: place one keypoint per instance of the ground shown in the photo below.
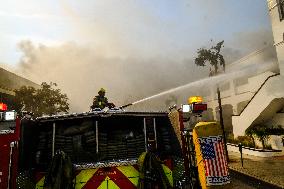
(269, 169)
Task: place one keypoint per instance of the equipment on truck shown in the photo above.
(203, 148)
(210, 154)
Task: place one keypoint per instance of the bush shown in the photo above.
(245, 140)
(230, 138)
(268, 146)
(278, 130)
(261, 132)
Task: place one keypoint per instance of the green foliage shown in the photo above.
(245, 140)
(230, 138)
(260, 131)
(278, 130)
(212, 56)
(24, 99)
(263, 132)
(250, 134)
(43, 101)
(268, 146)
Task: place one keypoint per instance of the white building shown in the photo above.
(260, 100)
(276, 12)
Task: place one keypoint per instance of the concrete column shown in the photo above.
(232, 88)
(235, 108)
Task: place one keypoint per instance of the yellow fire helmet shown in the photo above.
(102, 90)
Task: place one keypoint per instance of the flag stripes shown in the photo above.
(215, 163)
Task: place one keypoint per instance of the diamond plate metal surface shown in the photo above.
(106, 164)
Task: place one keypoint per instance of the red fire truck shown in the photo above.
(103, 148)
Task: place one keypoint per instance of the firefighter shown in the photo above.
(100, 101)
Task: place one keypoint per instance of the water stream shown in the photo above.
(247, 71)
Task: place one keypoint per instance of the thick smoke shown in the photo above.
(82, 70)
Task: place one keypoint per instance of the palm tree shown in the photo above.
(212, 56)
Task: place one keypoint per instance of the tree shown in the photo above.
(212, 56)
(250, 132)
(43, 101)
(24, 99)
(262, 134)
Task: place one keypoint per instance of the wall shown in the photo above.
(236, 95)
(278, 32)
(268, 101)
(9, 80)
(8, 83)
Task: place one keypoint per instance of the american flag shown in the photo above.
(216, 169)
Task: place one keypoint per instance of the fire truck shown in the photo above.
(105, 149)
(98, 149)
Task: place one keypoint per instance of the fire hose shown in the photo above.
(125, 106)
(12, 145)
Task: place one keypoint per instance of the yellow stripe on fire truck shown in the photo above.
(108, 183)
(40, 183)
(83, 177)
(169, 174)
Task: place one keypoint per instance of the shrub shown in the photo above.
(260, 131)
(278, 130)
(268, 146)
(230, 138)
(245, 140)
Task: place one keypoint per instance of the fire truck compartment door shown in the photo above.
(4, 165)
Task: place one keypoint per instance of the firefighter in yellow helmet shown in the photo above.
(100, 101)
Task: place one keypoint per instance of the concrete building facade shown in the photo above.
(259, 101)
(8, 83)
(276, 12)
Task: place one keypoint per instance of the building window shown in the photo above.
(281, 9)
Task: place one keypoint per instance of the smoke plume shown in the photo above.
(80, 71)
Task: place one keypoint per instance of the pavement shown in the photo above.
(269, 170)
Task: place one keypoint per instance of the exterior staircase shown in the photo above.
(266, 102)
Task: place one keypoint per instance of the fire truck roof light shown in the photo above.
(195, 99)
(3, 106)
